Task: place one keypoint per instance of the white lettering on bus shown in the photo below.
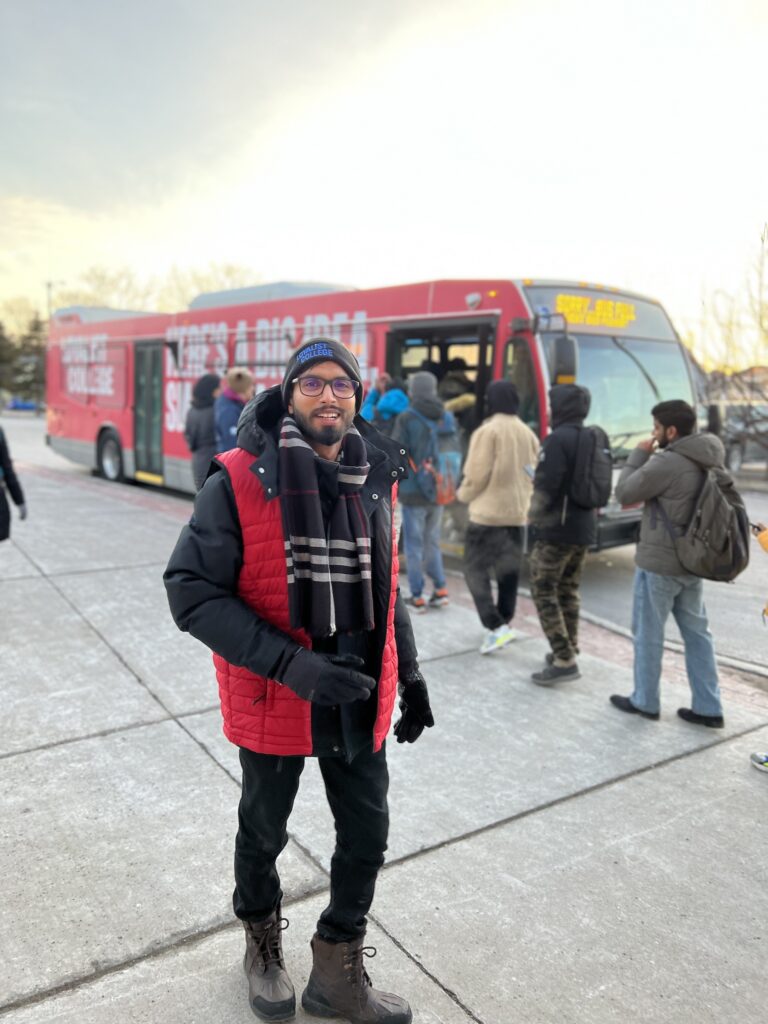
(96, 379)
(178, 395)
(84, 349)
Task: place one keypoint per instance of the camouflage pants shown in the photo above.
(554, 573)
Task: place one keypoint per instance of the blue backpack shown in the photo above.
(438, 474)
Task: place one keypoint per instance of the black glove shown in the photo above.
(414, 704)
(327, 678)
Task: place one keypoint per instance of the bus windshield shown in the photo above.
(626, 378)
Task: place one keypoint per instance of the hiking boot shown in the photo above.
(417, 604)
(498, 638)
(625, 704)
(439, 598)
(339, 986)
(270, 990)
(713, 721)
(554, 673)
(759, 761)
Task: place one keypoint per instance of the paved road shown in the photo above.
(551, 861)
(735, 610)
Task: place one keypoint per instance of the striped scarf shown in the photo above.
(328, 567)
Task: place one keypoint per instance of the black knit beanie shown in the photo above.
(320, 350)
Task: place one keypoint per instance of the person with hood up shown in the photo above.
(668, 468)
(384, 403)
(237, 390)
(563, 532)
(9, 479)
(199, 430)
(288, 572)
(496, 483)
(424, 423)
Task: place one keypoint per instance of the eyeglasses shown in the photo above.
(314, 387)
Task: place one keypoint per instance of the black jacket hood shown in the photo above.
(569, 403)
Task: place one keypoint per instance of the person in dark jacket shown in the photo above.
(422, 516)
(288, 573)
(8, 479)
(666, 471)
(237, 390)
(199, 431)
(563, 532)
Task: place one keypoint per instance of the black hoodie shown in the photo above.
(555, 518)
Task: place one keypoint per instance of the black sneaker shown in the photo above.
(625, 704)
(554, 673)
(713, 721)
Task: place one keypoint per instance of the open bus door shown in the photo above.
(460, 354)
(148, 411)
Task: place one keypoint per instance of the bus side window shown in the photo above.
(518, 367)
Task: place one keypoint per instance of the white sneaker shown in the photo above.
(498, 638)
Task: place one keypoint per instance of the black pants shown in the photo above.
(357, 794)
(497, 550)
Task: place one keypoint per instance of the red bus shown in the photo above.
(119, 383)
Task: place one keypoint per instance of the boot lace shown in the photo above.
(353, 963)
(268, 941)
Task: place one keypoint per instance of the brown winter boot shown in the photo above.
(270, 990)
(339, 986)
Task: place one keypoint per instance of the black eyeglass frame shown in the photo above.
(326, 383)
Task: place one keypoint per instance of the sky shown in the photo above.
(371, 143)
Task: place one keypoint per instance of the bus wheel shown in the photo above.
(110, 456)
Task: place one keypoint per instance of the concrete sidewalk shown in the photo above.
(551, 860)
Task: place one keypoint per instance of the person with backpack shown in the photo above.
(669, 472)
(428, 434)
(563, 530)
(496, 483)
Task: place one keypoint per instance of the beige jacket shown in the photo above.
(495, 485)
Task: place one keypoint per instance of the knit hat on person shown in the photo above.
(321, 350)
(239, 380)
(422, 385)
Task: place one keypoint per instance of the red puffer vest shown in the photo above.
(258, 713)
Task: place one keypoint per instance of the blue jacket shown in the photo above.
(226, 413)
(386, 406)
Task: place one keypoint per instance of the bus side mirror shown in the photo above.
(565, 359)
(714, 419)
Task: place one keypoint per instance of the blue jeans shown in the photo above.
(421, 543)
(655, 597)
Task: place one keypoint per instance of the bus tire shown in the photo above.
(109, 457)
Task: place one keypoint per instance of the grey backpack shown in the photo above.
(715, 543)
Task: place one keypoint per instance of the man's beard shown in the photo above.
(326, 434)
(663, 440)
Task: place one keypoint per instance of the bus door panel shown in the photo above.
(148, 411)
(519, 368)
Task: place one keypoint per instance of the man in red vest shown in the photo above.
(288, 572)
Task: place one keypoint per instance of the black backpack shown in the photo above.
(592, 478)
(715, 544)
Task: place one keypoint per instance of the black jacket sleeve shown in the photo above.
(404, 639)
(549, 481)
(8, 472)
(201, 583)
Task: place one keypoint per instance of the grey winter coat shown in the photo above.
(670, 476)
